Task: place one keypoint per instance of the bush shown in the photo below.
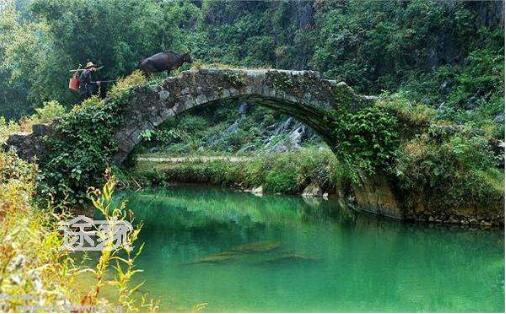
(447, 173)
(192, 124)
(7, 128)
(79, 152)
(414, 117)
(136, 78)
(282, 174)
(366, 140)
(48, 112)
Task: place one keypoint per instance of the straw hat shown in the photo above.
(90, 65)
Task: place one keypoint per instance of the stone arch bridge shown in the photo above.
(304, 95)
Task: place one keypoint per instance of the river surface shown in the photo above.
(236, 252)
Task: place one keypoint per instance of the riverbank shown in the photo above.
(317, 173)
(287, 173)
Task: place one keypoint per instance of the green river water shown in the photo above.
(238, 252)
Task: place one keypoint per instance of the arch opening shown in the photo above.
(227, 127)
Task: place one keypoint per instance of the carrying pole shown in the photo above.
(78, 70)
(109, 81)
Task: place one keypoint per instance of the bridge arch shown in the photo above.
(304, 95)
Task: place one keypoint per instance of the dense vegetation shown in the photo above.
(81, 148)
(435, 133)
(36, 274)
(287, 173)
(448, 55)
(440, 63)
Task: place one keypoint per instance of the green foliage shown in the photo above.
(7, 128)
(29, 69)
(82, 147)
(36, 53)
(79, 152)
(193, 124)
(450, 172)
(286, 173)
(136, 78)
(441, 164)
(14, 170)
(375, 45)
(411, 114)
(470, 92)
(33, 263)
(281, 178)
(367, 139)
(371, 45)
(46, 114)
(49, 111)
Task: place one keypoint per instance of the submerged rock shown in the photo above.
(312, 201)
(217, 258)
(235, 252)
(257, 247)
(288, 258)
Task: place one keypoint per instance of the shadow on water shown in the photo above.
(241, 252)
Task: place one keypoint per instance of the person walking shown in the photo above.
(87, 86)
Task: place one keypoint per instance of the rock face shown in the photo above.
(258, 190)
(375, 194)
(312, 190)
(30, 146)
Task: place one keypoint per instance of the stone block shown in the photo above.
(40, 129)
(164, 95)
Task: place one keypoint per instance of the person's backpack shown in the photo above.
(74, 82)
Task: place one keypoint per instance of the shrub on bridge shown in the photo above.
(126, 83)
(365, 140)
(79, 152)
(82, 146)
(48, 112)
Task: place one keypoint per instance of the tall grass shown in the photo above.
(36, 273)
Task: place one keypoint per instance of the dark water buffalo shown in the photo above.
(163, 61)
